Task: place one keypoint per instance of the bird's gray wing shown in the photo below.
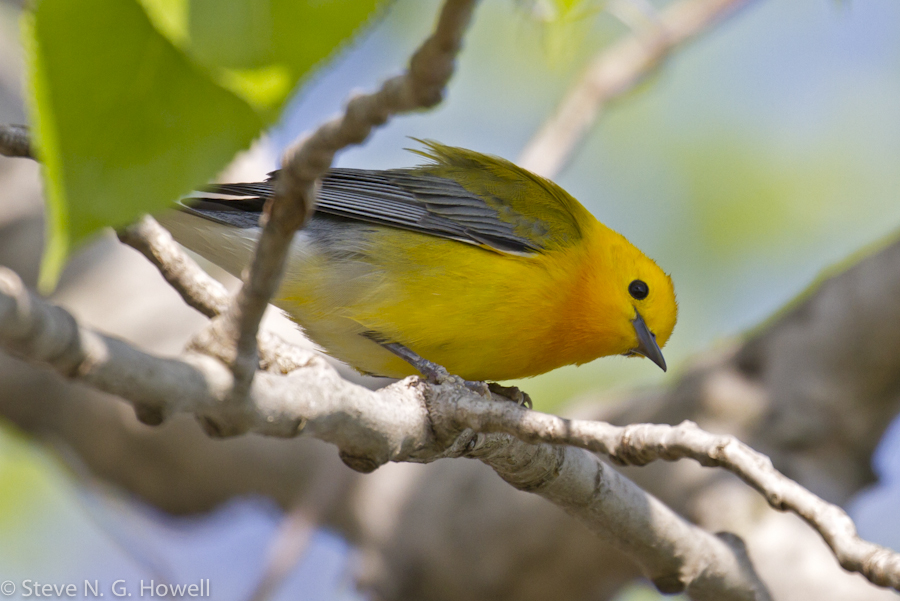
(400, 198)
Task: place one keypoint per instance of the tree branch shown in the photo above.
(640, 444)
(198, 289)
(674, 554)
(203, 292)
(407, 421)
(402, 421)
(614, 72)
(15, 141)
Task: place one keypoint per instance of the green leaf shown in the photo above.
(565, 25)
(133, 109)
(170, 17)
(260, 49)
(124, 122)
(232, 33)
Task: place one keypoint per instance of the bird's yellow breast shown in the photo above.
(479, 313)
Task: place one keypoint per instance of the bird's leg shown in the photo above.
(434, 373)
(437, 374)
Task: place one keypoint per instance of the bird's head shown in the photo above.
(630, 300)
(651, 308)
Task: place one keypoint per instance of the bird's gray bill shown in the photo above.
(647, 342)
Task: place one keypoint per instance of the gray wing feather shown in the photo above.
(398, 198)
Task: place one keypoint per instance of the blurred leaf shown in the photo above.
(24, 481)
(124, 122)
(740, 198)
(264, 88)
(270, 45)
(170, 17)
(549, 11)
(233, 33)
(644, 592)
(565, 25)
(750, 199)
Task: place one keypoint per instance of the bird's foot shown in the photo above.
(513, 393)
(438, 374)
(433, 372)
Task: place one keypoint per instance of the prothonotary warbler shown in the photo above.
(468, 261)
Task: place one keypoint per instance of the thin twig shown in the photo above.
(420, 87)
(15, 141)
(203, 292)
(614, 72)
(296, 531)
(286, 549)
(198, 289)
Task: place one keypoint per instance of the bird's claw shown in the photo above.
(438, 374)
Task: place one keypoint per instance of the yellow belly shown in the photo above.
(481, 314)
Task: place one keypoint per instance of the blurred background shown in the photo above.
(760, 155)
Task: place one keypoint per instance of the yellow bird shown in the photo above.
(469, 262)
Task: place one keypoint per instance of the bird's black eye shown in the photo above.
(638, 289)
